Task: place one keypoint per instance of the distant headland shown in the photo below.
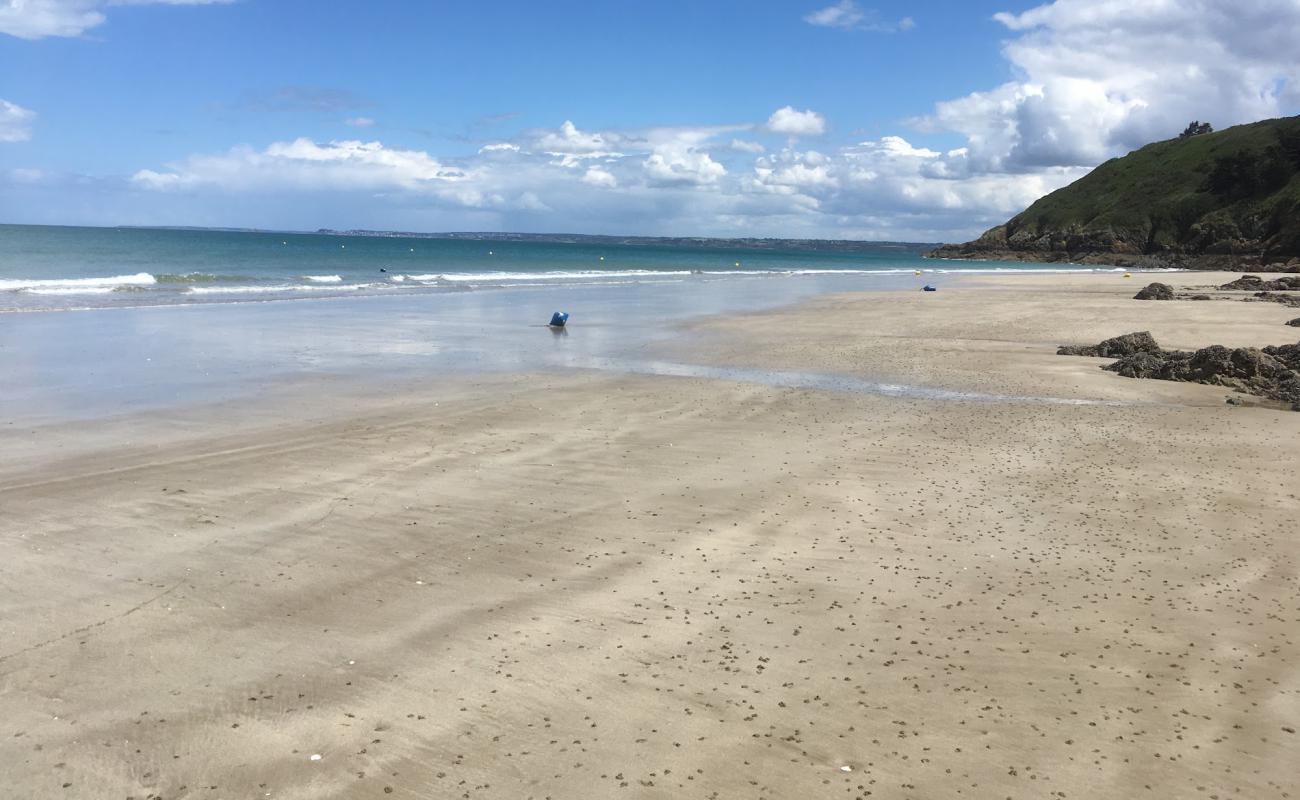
(1204, 200)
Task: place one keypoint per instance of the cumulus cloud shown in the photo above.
(1091, 81)
(15, 122)
(599, 177)
(302, 163)
(571, 146)
(788, 122)
(1097, 79)
(37, 19)
(681, 179)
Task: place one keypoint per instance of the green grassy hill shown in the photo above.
(1234, 194)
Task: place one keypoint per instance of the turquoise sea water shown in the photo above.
(49, 268)
(174, 318)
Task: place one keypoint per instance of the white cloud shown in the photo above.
(599, 177)
(788, 122)
(359, 122)
(1097, 79)
(679, 180)
(678, 156)
(304, 164)
(848, 15)
(844, 14)
(15, 122)
(36, 19)
(1091, 80)
(572, 145)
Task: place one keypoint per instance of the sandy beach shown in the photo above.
(587, 584)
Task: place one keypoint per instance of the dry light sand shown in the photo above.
(647, 586)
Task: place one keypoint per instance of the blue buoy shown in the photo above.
(558, 319)
(929, 287)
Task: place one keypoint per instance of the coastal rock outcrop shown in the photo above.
(1155, 291)
(1292, 300)
(1295, 323)
(1254, 283)
(1222, 200)
(1272, 372)
(1119, 346)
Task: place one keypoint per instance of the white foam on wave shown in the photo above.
(323, 278)
(112, 282)
(496, 277)
(278, 288)
(56, 290)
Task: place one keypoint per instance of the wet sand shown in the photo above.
(588, 584)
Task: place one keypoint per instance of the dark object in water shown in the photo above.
(929, 287)
(558, 319)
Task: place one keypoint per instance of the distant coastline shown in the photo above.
(748, 243)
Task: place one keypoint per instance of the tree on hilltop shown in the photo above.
(1196, 128)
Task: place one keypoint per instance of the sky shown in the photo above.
(917, 121)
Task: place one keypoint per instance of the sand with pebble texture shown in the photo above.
(648, 586)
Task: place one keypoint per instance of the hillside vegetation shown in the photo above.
(1210, 200)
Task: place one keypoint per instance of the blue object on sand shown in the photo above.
(558, 319)
(929, 287)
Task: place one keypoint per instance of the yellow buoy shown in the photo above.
(738, 263)
(1126, 275)
(918, 272)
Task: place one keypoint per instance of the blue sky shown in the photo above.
(857, 119)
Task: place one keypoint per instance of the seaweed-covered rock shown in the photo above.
(1254, 283)
(1119, 346)
(1155, 291)
(1288, 354)
(1292, 300)
(1140, 365)
(1272, 372)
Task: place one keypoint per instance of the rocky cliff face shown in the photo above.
(1214, 201)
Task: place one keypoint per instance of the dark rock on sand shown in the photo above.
(1254, 283)
(1272, 372)
(1273, 297)
(1295, 323)
(1155, 291)
(1200, 297)
(1128, 344)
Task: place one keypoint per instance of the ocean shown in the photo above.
(105, 322)
(46, 268)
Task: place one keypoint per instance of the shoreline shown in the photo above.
(583, 583)
(1205, 262)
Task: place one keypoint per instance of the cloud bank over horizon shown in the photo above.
(1090, 81)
